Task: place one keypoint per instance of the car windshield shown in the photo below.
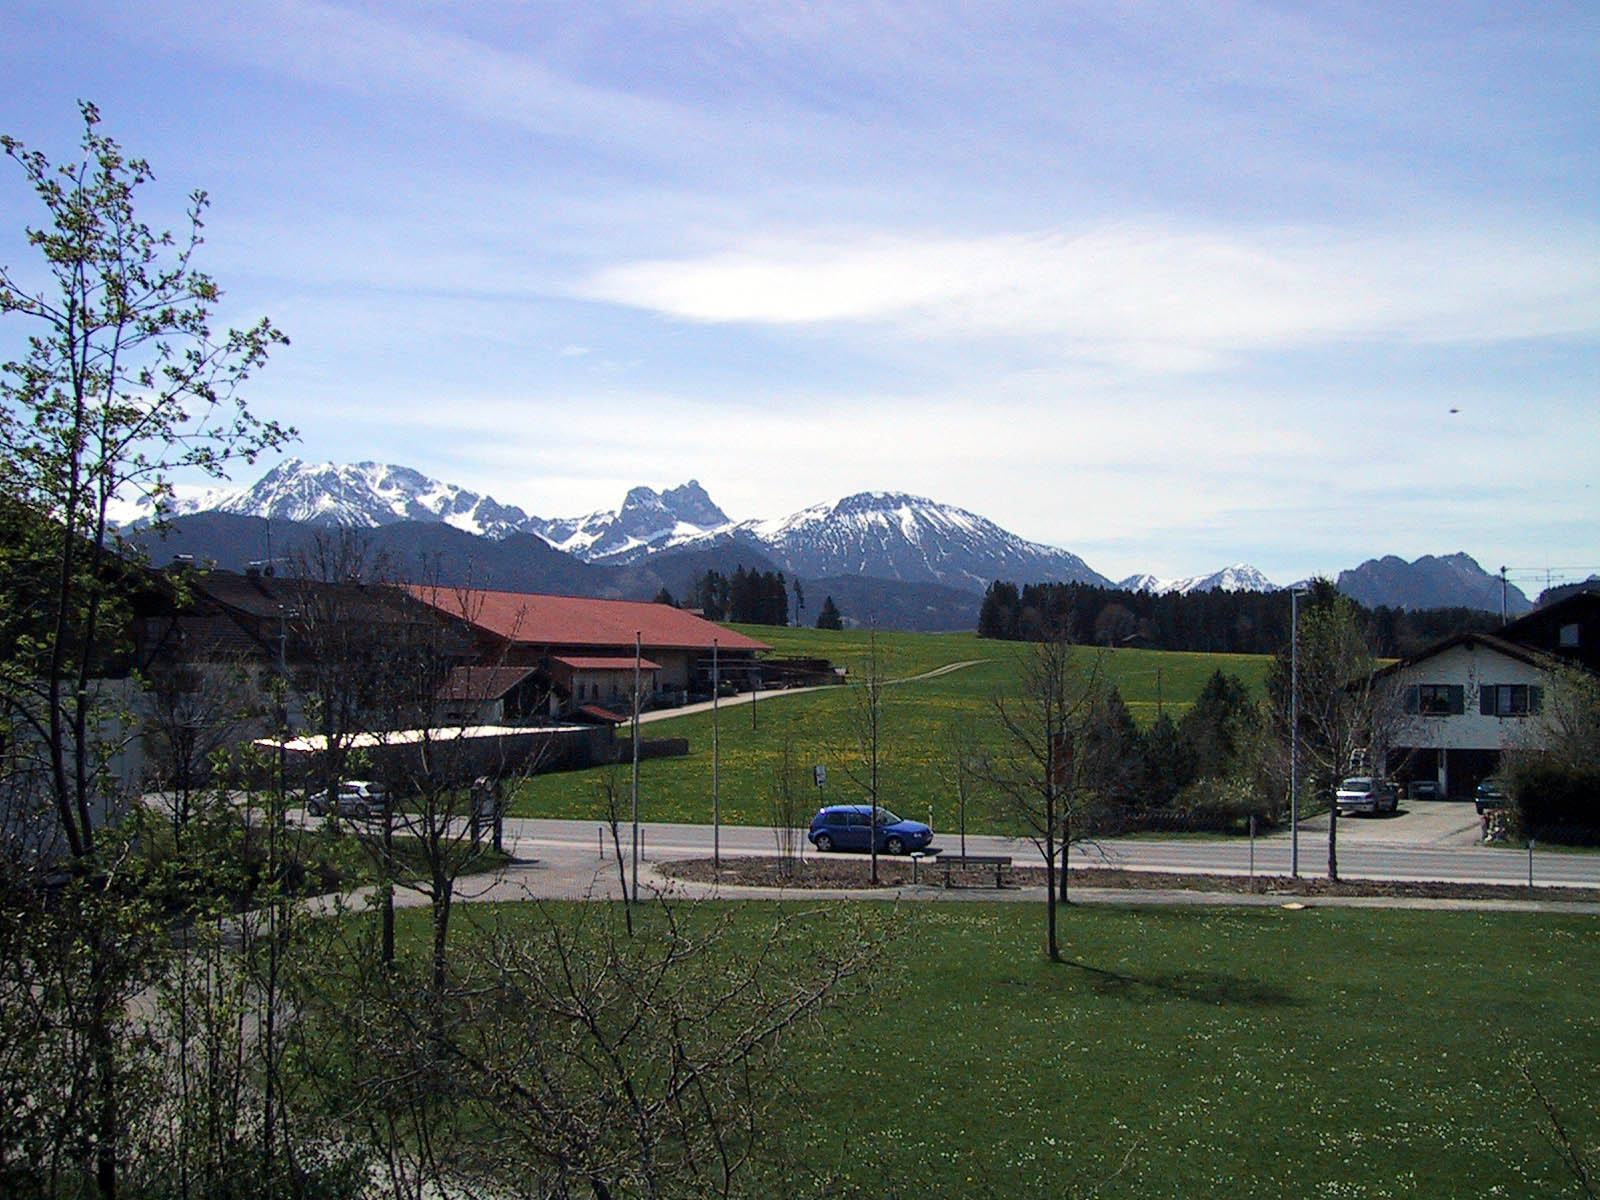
(885, 817)
(1359, 784)
(1488, 789)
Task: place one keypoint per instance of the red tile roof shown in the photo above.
(593, 663)
(528, 619)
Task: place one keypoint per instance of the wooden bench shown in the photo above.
(963, 862)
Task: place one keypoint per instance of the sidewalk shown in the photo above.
(532, 879)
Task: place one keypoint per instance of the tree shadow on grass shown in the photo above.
(1197, 986)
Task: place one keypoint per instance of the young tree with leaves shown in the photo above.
(123, 382)
(1346, 713)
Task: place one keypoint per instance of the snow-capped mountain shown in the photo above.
(884, 536)
(363, 494)
(648, 521)
(1241, 577)
(891, 535)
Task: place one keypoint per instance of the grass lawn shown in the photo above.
(819, 730)
(1202, 1052)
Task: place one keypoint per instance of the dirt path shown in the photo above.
(743, 698)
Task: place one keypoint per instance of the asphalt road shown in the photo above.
(1434, 841)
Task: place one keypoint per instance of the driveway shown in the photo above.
(1440, 823)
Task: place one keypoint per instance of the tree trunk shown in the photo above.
(1052, 947)
(1333, 841)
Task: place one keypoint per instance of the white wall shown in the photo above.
(1472, 667)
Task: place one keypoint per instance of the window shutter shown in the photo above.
(1535, 698)
(1412, 703)
(1458, 699)
(1486, 700)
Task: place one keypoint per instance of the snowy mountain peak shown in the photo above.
(1240, 577)
(647, 522)
(365, 495)
(895, 535)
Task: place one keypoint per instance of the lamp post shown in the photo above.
(716, 762)
(638, 651)
(1294, 731)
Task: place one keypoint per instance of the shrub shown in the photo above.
(1556, 802)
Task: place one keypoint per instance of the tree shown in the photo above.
(1169, 762)
(864, 758)
(1038, 774)
(1346, 713)
(1220, 726)
(123, 382)
(828, 617)
(999, 616)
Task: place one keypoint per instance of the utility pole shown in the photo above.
(716, 762)
(638, 653)
(1294, 732)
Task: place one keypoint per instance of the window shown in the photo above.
(1510, 699)
(1436, 699)
(1568, 636)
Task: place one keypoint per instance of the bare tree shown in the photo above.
(609, 1065)
(1037, 773)
(789, 806)
(868, 724)
(966, 766)
(194, 713)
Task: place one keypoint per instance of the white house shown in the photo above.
(1464, 702)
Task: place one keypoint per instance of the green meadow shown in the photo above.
(1184, 1052)
(818, 728)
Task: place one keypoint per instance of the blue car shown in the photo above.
(848, 826)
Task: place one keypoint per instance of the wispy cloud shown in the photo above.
(1149, 296)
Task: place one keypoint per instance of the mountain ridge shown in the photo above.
(889, 537)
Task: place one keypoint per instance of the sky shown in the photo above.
(1168, 285)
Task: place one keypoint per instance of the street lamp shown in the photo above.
(1294, 731)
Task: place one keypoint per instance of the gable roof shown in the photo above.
(1534, 658)
(526, 618)
(482, 683)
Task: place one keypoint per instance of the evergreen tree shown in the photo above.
(1168, 762)
(1221, 727)
(665, 597)
(829, 617)
(1114, 752)
(998, 618)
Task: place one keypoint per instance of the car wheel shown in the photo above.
(894, 846)
(824, 843)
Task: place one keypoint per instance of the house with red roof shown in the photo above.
(589, 649)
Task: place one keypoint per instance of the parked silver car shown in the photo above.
(1364, 794)
(359, 798)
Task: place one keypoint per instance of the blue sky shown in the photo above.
(1168, 285)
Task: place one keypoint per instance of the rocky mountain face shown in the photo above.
(647, 522)
(1448, 581)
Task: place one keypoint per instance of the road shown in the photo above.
(1437, 841)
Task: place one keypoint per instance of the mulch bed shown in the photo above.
(849, 871)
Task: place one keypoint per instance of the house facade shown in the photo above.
(1467, 700)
